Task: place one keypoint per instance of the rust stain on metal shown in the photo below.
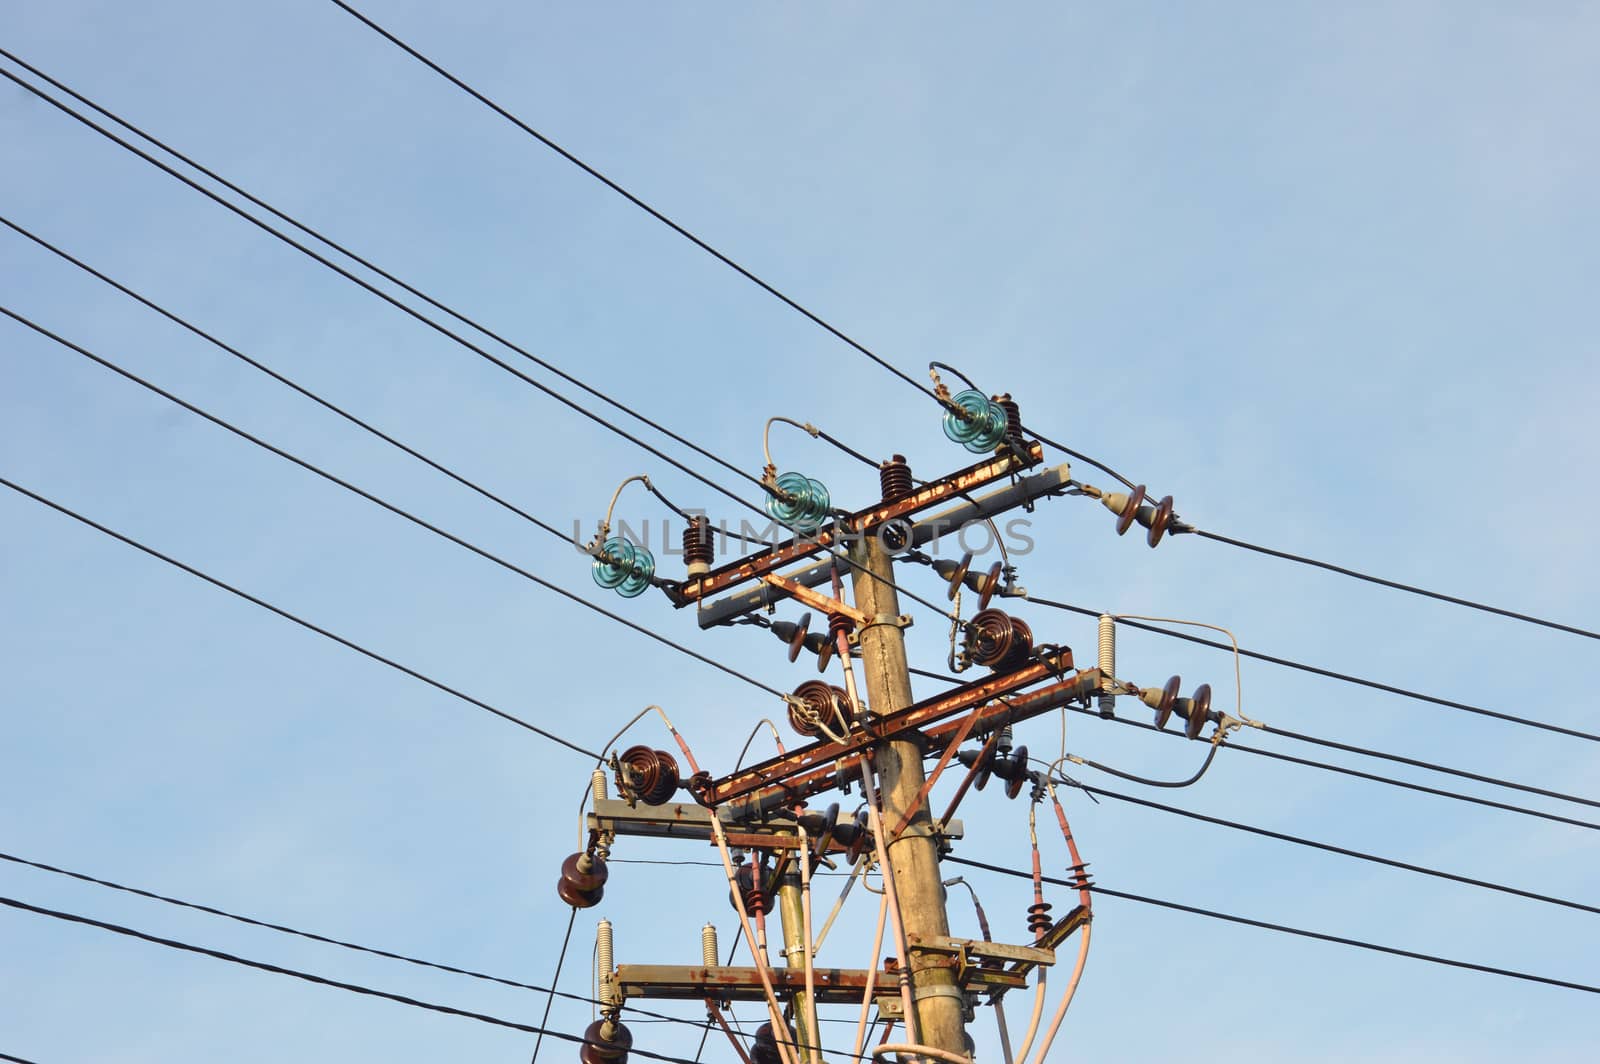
(806, 770)
(798, 547)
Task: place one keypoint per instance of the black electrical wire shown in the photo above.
(1211, 755)
(16, 1060)
(550, 998)
(324, 939)
(1349, 771)
(309, 977)
(1372, 777)
(1286, 929)
(286, 615)
(1316, 670)
(368, 264)
(413, 312)
(1397, 585)
(391, 507)
(1429, 765)
(1331, 848)
(386, 297)
(280, 378)
(624, 193)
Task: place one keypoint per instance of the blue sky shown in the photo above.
(1325, 273)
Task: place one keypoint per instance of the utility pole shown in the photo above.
(914, 855)
(875, 735)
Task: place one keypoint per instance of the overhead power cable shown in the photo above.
(391, 507)
(624, 193)
(1342, 851)
(1317, 670)
(1277, 755)
(1327, 767)
(1265, 925)
(309, 977)
(16, 1060)
(286, 615)
(329, 941)
(280, 378)
(344, 250)
(457, 338)
(1397, 585)
(862, 349)
(368, 286)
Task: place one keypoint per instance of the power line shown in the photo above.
(302, 622)
(1317, 670)
(391, 507)
(550, 998)
(309, 977)
(1340, 850)
(625, 194)
(1286, 929)
(1327, 767)
(419, 316)
(354, 257)
(1373, 777)
(1397, 585)
(280, 378)
(17, 1060)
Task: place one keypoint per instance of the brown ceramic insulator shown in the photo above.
(894, 476)
(797, 640)
(958, 574)
(651, 774)
(1169, 696)
(697, 545)
(598, 1049)
(822, 702)
(1160, 520)
(572, 872)
(981, 763)
(1013, 768)
(1039, 918)
(1199, 711)
(579, 899)
(838, 623)
(824, 654)
(1013, 416)
(830, 824)
(1131, 511)
(860, 838)
(998, 641)
(764, 1047)
(989, 585)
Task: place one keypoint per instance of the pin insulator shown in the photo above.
(1013, 416)
(998, 641)
(698, 549)
(1039, 918)
(894, 476)
(651, 775)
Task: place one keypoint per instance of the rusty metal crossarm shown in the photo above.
(793, 776)
(991, 717)
(797, 547)
(834, 986)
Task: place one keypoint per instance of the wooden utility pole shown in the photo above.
(914, 856)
